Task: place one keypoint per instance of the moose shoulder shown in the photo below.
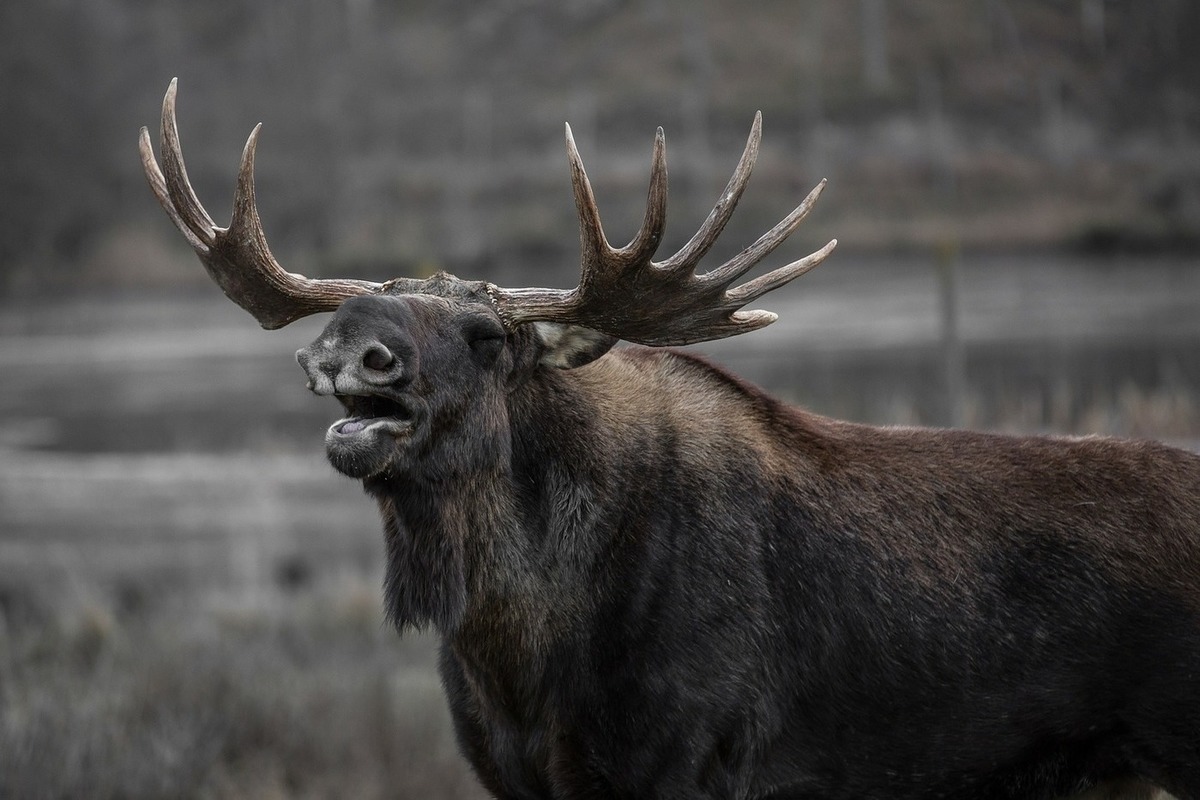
(651, 579)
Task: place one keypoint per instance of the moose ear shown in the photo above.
(570, 346)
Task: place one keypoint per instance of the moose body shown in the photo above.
(652, 579)
(674, 585)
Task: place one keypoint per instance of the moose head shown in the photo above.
(424, 366)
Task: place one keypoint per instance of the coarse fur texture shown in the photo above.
(652, 579)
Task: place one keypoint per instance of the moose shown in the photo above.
(652, 579)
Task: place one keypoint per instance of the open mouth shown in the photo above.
(374, 434)
(370, 411)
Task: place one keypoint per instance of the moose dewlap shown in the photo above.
(651, 579)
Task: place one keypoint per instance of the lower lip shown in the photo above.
(356, 426)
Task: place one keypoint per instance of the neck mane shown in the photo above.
(522, 531)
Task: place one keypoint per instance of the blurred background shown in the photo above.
(189, 596)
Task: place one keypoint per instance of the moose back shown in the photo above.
(652, 579)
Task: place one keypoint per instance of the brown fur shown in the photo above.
(653, 579)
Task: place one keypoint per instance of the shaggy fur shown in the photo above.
(653, 580)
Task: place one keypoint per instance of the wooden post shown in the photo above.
(876, 73)
(953, 355)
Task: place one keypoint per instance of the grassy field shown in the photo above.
(307, 697)
(189, 596)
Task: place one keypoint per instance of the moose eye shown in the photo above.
(485, 335)
(481, 329)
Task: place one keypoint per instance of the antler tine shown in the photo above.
(752, 290)
(740, 264)
(183, 197)
(597, 252)
(645, 243)
(624, 294)
(591, 233)
(237, 258)
(158, 185)
(246, 222)
(703, 240)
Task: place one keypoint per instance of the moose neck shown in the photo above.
(439, 540)
(486, 542)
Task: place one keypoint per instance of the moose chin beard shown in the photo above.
(363, 448)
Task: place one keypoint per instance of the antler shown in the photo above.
(624, 293)
(237, 257)
(621, 292)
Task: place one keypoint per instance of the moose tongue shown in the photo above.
(353, 426)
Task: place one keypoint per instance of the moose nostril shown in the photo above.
(377, 357)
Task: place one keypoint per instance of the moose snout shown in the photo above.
(341, 368)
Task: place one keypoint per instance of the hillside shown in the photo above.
(417, 135)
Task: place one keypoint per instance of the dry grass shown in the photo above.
(315, 698)
(187, 607)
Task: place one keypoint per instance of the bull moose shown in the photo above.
(652, 579)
